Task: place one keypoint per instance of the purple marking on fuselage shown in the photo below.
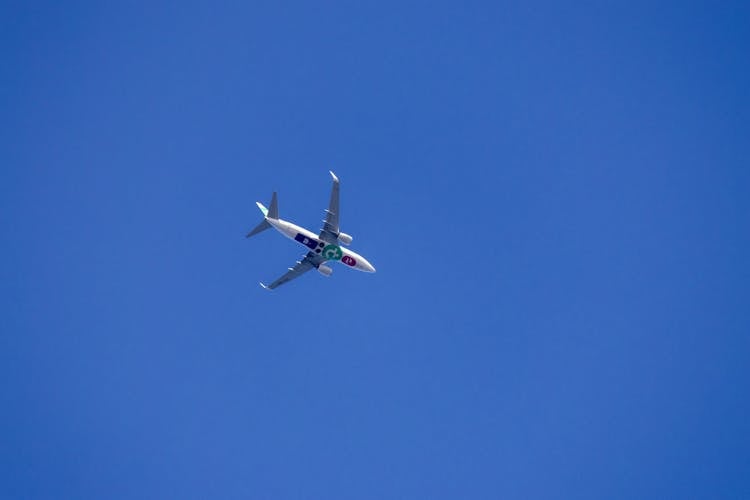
(308, 242)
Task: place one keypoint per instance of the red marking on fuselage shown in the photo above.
(349, 261)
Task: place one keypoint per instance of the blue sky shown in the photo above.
(555, 197)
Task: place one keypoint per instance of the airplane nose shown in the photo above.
(368, 267)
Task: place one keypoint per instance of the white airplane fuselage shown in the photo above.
(327, 251)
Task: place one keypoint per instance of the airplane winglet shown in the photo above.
(264, 286)
(335, 179)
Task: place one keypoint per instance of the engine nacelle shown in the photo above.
(325, 270)
(346, 239)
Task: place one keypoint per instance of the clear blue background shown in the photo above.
(555, 197)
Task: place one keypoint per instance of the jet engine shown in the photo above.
(346, 239)
(325, 270)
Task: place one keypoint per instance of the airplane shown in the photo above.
(322, 248)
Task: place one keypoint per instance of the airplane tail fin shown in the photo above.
(273, 210)
(268, 213)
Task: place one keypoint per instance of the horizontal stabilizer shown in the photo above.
(259, 228)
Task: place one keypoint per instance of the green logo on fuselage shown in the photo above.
(332, 252)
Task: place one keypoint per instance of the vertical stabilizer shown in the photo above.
(273, 210)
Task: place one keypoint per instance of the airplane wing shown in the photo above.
(330, 231)
(309, 261)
